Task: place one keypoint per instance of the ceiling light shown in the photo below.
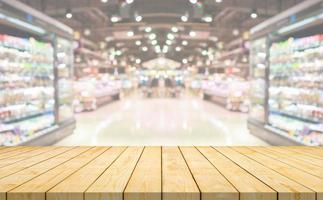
(130, 33)
(68, 13)
(165, 49)
(205, 52)
(115, 19)
(184, 61)
(192, 33)
(148, 29)
(138, 61)
(104, 1)
(170, 36)
(118, 52)
(129, 1)
(152, 36)
(193, 1)
(168, 42)
(178, 48)
(207, 19)
(184, 18)
(254, 14)
(174, 29)
(138, 18)
(235, 32)
(87, 32)
(138, 42)
(154, 42)
(184, 43)
(218, 1)
(144, 48)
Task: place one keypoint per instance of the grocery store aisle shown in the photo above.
(139, 121)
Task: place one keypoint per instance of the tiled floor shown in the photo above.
(167, 122)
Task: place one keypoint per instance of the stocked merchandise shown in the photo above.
(257, 91)
(26, 88)
(95, 91)
(230, 91)
(296, 88)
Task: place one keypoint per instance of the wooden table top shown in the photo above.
(155, 173)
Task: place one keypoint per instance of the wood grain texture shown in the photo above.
(145, 182)
(73, 187)
(37, 187)
(178, 182)
(286, 188)
(156, 173)
(249, 187)
(111, 184)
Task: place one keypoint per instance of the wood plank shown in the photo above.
(37, 187)
(307, 167)
(178, 182)
(15, 151)
(16, 167)
(300, 156)
(73, 187)
(10, 182)
(308, 180)
(314, 152)
(112, 183)
(24, 156)
(286, 188)
(212, 184)
(249, 187)
(8, 149)
(145, 182)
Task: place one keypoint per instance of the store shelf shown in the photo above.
(18, 119)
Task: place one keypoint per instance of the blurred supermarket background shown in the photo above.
(161, 72)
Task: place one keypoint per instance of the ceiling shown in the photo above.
(209, 23)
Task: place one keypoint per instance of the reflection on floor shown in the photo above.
(168, 122)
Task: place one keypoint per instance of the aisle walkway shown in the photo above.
(137, 121)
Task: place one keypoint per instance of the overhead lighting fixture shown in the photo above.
(138, 42)
(193, 1)
(154, 42)
(254, 14)
(138, 60)
(218, 1)
(184, 18)
(178, 48)
(184, 43)
(170, 36)
(130, 33)
(207, 19)
(205, 53)
(115, 19)
(192, 33)
(168, 42)
(165, 49)
(68, 13)
(174, 29)
(138, 18)
(144, 48)
(184, 61)
(148, 29)
(87, 32)
(104, 1)
(152, 36)
(235, 32)
(129, 1)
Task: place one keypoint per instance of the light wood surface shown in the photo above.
(161, 173)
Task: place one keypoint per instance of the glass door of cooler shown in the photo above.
(258, 62)
(64, 66)
(26, 89)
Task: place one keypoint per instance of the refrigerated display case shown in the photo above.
(28, 80)
(64, 55)
(294, 77)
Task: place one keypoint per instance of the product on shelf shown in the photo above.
(91, 92)
(296, 88)
(26, 88)
(258, 71)
(230, 91)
